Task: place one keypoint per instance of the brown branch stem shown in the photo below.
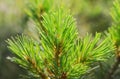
(38, 70)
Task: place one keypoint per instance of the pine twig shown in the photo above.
(115, 66)
(33, 63)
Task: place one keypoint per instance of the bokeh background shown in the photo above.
(91, 15)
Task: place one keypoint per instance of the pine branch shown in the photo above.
(115, 36)
(115, 66)
(60, 53)
(27, 51)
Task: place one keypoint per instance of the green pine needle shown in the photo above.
(115, 29)
(60, 53)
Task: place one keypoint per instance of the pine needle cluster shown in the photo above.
(60, 53)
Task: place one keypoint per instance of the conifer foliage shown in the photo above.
(114, 32)
(115, 29)
(60, 53)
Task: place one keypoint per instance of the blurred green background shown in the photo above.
(91, 16)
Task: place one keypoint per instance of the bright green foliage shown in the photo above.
(115, 12)
(27, 52)
(93, 49)
(115, 29)
(60, 53)
(58, 42)
(36, 8)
